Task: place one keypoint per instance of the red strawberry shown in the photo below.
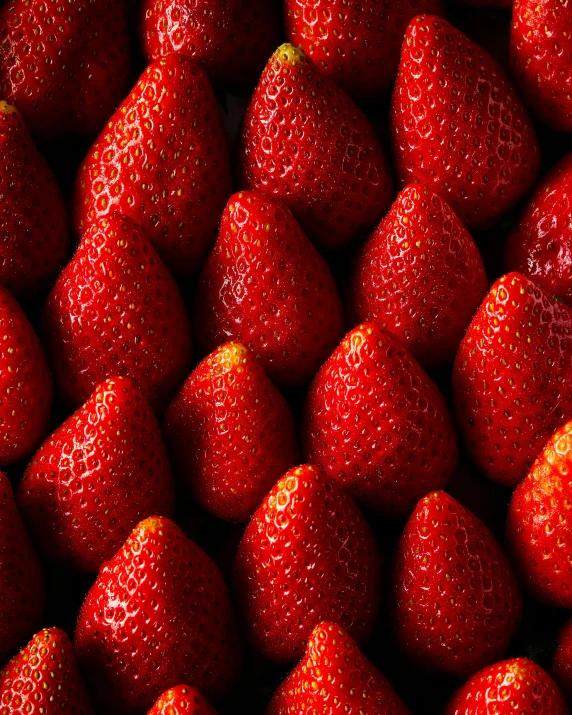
(376, 423)
(562, 662)
(307, 555)
(354, 44)
(64, 63)
(335, 678)
(159, 613)
(232, 39)
(459, 126)
(231, 433)
(21, 579)
(541, 245)
(420, 276)
(25, 384)
(266, 285)
(163, 161)
(456, 602)
(512, 687)
(96, 477)
(181, 700)
(43, 679)
(33, 221)
(305, 141)
(116, 310)
(512, 377)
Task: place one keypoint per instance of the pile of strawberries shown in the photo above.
(285, 357)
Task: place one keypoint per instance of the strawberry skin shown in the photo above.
(420, 276)
(376, 423)
(304, 141)
(512, 377)
(230, 433)
(21, 579)
(25, 384)
(335, 678)
(458, 125)
(116, 310)
(159, 613)
(308, 554)
(455, 602)
(181, 700)
(266, 285)
(96, 477)
(64, 63)
(562, 662)
(163, 161)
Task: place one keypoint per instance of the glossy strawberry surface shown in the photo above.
(181, 700)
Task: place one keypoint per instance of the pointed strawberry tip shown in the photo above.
(290, 54)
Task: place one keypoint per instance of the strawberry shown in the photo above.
(21, 579)
(181, 700)
(541, 245)
(93, 480)
(354, 44)
(458, 125)
(163, 161)
(25, 384)
(420, 276)
(159, 613)
(305, 142)
(512, 377)
(231, 39)
(116, 310)
(455, 601)
(64, 63)
(33, 221)
(43, 679)
(376, 423)
(334, 677)
(562, 662)
(512, 687)
(231, 433)
(266, 285)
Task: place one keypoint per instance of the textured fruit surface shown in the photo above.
(181, 700)
(304, 141)
(335, 678)
(562, 662)
(266, 285)
(376, 423)
(116, 310)
(230, 433)
(306, 556)
(512, 377)
(96, 477)
(459, 126)
(456, 602)
(163, 161)
(420, 276)
(159, 613)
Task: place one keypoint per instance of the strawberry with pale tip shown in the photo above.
(181, 700)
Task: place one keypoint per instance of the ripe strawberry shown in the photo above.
(43, 679)
(376, 423)
(355, 44)
(512, 687)
(96, 477)
(21, 579)
(231, 39)
(304, 141)
(230, 433)
(159, 613)
(33, 221)
(458, 125)
(334, 677)
(266, 285)
(456, 602)
(65, 63)
(420, 276)
(307, 555)
(25, 384)
(541, 245)
(116, 310)
(163, 161)
(562, 662)
(181, 700)
(512, 377)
